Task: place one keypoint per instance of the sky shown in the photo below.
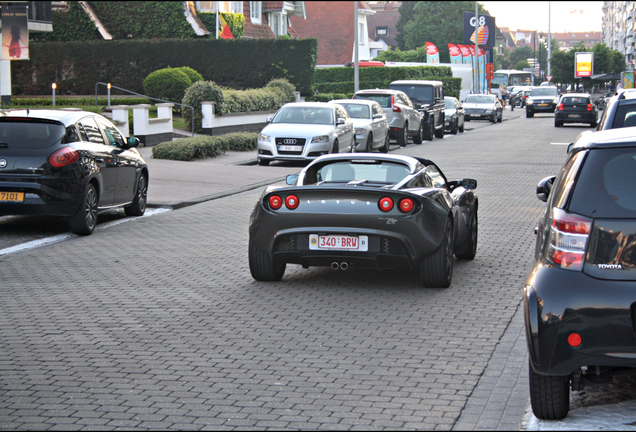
(565, 16)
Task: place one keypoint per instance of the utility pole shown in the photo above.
(356, 66)
(549, 38)
(476, 63)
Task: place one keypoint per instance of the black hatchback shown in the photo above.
(580, 296)
(576, 108)
(69, 163)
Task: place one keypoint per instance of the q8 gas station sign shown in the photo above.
(583, 64)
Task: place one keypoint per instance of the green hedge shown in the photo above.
(67, 102)
(452, 86)
(76, 67)
(187, 149)
(340, 74)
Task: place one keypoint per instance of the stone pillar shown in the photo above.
(120, 118)
(140, 121)
(207, 123)
(164, 110)
(5, 82)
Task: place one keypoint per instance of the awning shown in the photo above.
(606, 76)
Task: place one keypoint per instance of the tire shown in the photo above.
(369, 146)
(439, 133)
(454, 128)
(494, 118)
(84, 220)
(262, 267)
(461, 129)
(436, 270)
(470, 249)
(429, 132)
(138, 206)
(417, 139)
(336, 147)
(557, 124)
(593, 124)
(500, 117)
(549, 395)
(263, 162)
(529, 114)
(403, 138)
(385, 147)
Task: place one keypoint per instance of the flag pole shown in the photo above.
(217, 20)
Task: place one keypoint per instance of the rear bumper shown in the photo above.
(584, 117)
(53, 197)
(535, 108)
(559, 302)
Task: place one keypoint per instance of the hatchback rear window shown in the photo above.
(383, 99)
(30, 134)
(576, 101)
(606, 187)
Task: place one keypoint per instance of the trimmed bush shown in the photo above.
(187, 149)
(288, 88)
(16, 101)
(201, 91)
(168, 84)
(326, 97)
(191, 73)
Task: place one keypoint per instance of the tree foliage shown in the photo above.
(437, 22)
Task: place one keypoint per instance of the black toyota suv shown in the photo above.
(428, 97)
(579, 296)
(620, 111)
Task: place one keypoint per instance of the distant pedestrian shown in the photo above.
(503, 95)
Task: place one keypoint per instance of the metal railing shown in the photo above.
(109, 85)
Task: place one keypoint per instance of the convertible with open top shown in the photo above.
(365, 210)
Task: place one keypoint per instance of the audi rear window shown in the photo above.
(606, 187)
(30, 134)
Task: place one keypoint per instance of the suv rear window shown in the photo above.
(383, 99)
(606, 187)
(30, 134)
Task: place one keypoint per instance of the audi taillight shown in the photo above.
(385, 204)
(406, 205)
(291, 202)
(589, 107)
(569, 234)
(395, 107)
(560, 107)
(275, 202)
(64, 156)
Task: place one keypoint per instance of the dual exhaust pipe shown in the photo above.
(339, 266)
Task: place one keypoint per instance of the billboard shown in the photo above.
(483, 28)
(583, 64)
(15, 33)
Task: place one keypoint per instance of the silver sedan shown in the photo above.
(304, 131)
(369, 122)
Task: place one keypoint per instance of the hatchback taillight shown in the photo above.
(560, 107)
(64, 156)
(395, 107)
(569, 234)
(589, 107)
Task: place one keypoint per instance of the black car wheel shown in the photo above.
(454, 127)
(429, 132)
(385, 147)
(558, 123)
(262, 267)
(529, 114)
(439, 133)
(138, 206)
(369, 146)
(500, 117)
(84, 220)
(403, 138)
(593, 124)
(470, 249)
(436, 270)
(417, 139)
(493, 118)
(549, 396)
(336, 147)
(461, 128)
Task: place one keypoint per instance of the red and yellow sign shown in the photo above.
(583, 64)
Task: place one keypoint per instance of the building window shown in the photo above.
(256, 8)
(224, 6)
(381, 31)
(275, 23)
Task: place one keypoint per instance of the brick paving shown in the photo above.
(157, 323)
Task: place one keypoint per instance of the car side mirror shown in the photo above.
(469, 183)
(269, 119)
(291, 179)
(340, 121)
(377, 116)
(570, 147)
(544, 188)
(132, 142)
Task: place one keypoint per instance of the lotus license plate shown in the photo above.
(11, 196)
(338, 242)
(574, 115)
(290, 148)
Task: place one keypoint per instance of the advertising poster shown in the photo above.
(15, 33)
(466, 59)
(483, 28)
(432, 54)
(627, 78)
(455, 54)
(583, 64)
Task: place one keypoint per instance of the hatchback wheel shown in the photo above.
(84, 220)
(549, 395)
(558, 124)
(138, 206)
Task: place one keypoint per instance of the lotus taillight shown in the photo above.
(275, 202)
(406, 205)
(291, 202)
(589, 107)
(395, 107)
(569, 234)
(64, 156)
(385, 204)
(560, 107)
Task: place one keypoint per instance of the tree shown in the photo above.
(437, 22)
(521, 53)
(521, 64)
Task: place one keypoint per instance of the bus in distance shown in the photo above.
(510, 78)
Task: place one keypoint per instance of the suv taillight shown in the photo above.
(395, 108)
(569, 234)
